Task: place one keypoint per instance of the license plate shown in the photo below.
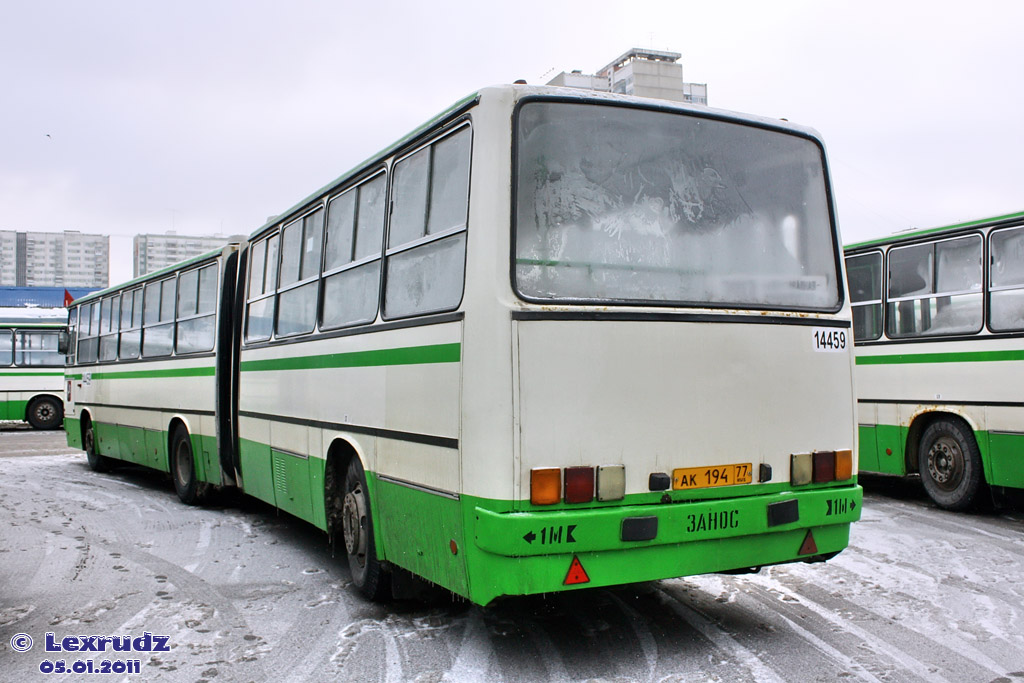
(706, 477)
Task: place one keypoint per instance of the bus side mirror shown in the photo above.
(63, 342)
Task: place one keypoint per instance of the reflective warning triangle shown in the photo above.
(809, 547)
(577, 574)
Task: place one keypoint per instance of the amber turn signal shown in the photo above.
(545, 485)
(844, 465)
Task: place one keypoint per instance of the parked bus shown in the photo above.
(31, 373)
(145, 366)
(939, 328)
(552, 339)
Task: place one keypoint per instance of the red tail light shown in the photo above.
(579, 484)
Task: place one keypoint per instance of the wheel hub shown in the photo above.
(945, 463)
(352, 516)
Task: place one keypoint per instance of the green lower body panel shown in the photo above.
(495, 576)
(13, 410)
(290, 481)
(1002, 454)
(491, 552)
(881, 449)
(257, 473)
(73, 430)
(1006, 454)
(421, 531)
(147, 447)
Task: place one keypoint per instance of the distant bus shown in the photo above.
(31, 373)
(939, 328)
(552, 339)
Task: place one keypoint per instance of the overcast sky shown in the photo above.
(207, 117)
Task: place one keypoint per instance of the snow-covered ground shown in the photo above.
(247, 594)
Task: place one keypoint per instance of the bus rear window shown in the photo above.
(623, 205)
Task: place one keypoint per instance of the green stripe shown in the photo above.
(410, 355)
(152, 374)
(962, 357)
(32, 374)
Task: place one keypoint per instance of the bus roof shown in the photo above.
(462, 104)
(154, 275)
(914, 234)
(528, 91)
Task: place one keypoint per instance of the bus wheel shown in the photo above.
(97, 462)
(950, 465)
(357, 529)
(183, 470)
(46, 412)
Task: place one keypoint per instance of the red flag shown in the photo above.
(67, 298)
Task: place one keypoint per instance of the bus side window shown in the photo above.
(300, 266)
(131, 324)
(261, 288)
(426, 255)
(197, 310)
(6, 347)
(37, 348)
(1006, 280)
(158, 318)
(935, 288)
(110, 316)
(355, 229)
(89, 328)
(864, 273)
(72, 336)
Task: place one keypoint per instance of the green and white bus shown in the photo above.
(146, 363)
(31, 373)
(552, 339)
(939, 327)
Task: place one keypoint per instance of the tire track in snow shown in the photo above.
(769, 589)
(722, 640)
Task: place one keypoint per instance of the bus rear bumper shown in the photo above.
(540, 552)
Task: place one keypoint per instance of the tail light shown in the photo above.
(611, 482)
(581, 484)
(820, 467)
(545, 485)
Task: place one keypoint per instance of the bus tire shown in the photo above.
(97, 462)
(45, 412)
(950, 465)
(183, 468)
(368, 574)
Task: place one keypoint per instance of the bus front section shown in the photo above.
(681, 350)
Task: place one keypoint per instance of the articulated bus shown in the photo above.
(31, 373)
(939, 329)
(552, 339)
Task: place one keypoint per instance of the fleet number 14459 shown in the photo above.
(830, 340)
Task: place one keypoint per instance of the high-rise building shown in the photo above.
(49, 259)
(645, 73)
(153, 252)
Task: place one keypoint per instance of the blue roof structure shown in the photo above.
(43, 297)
